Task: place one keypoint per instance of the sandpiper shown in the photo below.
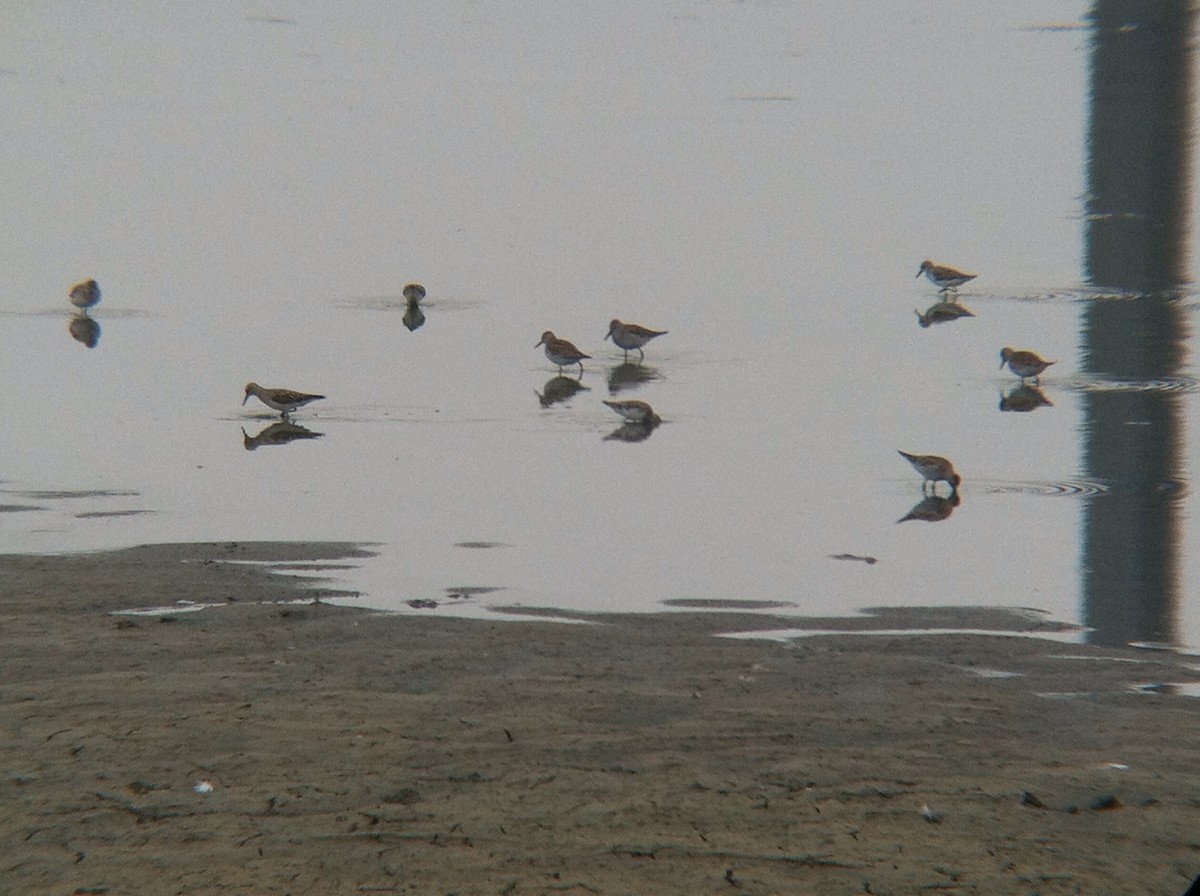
(85, 294)
(933, 469)
(635, 411)
(283, 400)
(561, 352)
(414, 317)
(944, 277)
(630, 336)
(1024, 364)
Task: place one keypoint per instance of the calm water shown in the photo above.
(252, 185)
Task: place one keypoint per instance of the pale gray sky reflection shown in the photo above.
(252, 188)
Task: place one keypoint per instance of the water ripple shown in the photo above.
(1184, 297)
(1181, 384)
(1082, 487)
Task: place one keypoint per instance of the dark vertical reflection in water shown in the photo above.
(1133, 347)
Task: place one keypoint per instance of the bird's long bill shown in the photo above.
(920, 272)
(539, 342)
(246, 399)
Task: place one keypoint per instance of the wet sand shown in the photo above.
(355, 752)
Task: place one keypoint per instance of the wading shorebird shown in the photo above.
(283, 400)
(561, 352)
(635, 411)
(933, 469)
(628, 337)
(1025, 364)
(85, 294)
(414, 317)
(944, 277)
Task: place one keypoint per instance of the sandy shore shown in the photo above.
(353, 752)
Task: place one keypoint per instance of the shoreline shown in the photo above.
(352, 750)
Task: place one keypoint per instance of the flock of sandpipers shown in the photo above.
(1024, 363)
(627, 337)
(634, 337)
(563, 354)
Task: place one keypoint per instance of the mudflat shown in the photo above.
(271, 744)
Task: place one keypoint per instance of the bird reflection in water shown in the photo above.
(632, 432)
(559, 388)
(279, 433)
(932, 508)
(1024, 398)
(942, 313)
(629, 376)
(84, 329)
(414, 317)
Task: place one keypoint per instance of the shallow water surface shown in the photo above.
(252, 191)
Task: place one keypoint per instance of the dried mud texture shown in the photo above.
(355, 752)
